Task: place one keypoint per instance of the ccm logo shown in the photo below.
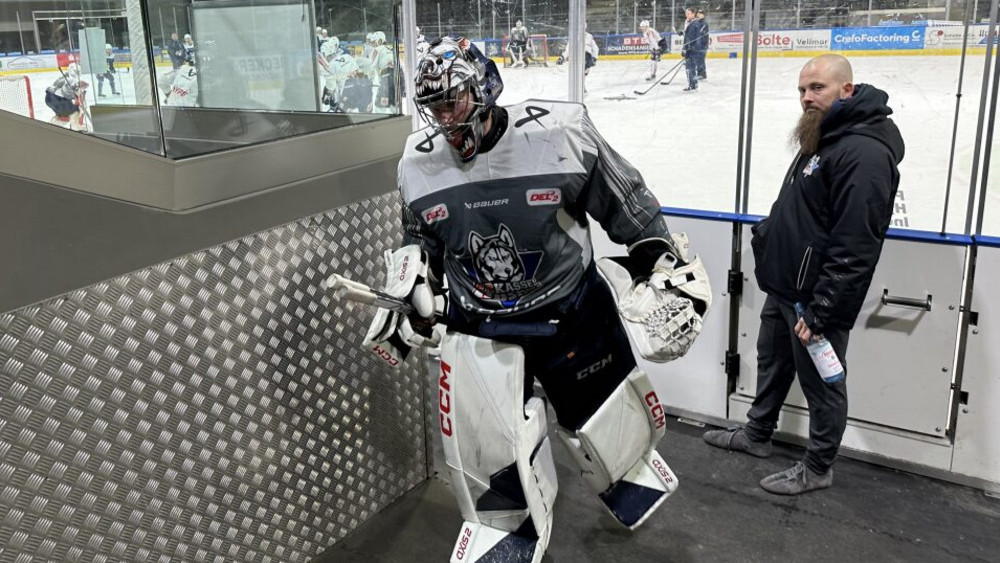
(544, 197)
(662, 470)
(444, 400)
(437, 213)
(593, 368)
(463, 543)
(385, 355)
(655, 409)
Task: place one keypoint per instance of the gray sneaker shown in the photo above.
(736, 440)
(796, 480)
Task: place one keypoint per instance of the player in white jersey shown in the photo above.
(184, 86)
(329, 51)
(66, 97)
(656, 46)
(109, 74)
(590, 52)
(499, 201)
(384, 63)
(518, 44)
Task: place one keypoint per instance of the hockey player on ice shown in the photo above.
(332, 74)
(184, 86)
(518, 45)
(590, 53)
(384, 64)
(66, 97)
(109, 74)
(656, 46)
(422, 44)
(353, 85)
(508, 225)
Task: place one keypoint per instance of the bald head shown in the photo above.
(835, 66)
(824, 80)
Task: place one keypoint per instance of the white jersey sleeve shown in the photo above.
(652, 37)
(590, 45)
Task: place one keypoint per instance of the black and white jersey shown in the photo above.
(511, 227)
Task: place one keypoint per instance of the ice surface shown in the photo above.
(686, 144)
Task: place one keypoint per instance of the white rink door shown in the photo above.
(899, 357)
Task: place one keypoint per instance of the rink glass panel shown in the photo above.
(255, 75)
(918, 62)
(218, 406)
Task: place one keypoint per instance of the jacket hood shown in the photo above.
(865, 113)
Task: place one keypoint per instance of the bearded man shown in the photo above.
(819, 247)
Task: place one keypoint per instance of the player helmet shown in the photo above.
(456, 86)
(643, 23)
(330, 47)
(379, 37)
(73, 68)
(108, 47)
(517, 23)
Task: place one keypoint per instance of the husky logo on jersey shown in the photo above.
(501, 271)
(437, 213)
(551, 196)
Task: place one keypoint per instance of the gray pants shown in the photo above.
(779, 356)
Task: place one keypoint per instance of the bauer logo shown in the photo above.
(434, 214)
(551, 196)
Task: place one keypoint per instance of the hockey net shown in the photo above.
(15, 95)
(536, 52)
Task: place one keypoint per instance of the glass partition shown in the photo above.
(913, 50)
(683, 143)
(199, 76)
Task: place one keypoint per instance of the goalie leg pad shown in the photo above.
(615, 449)
(498, 454)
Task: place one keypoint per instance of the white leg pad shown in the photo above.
(615, 450)
(498, 454)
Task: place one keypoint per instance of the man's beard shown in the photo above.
(808, 131)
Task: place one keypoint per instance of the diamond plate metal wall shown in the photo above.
(217, 407)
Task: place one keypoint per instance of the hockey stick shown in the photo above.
(656, 82)
(677, 70)
(344, 288)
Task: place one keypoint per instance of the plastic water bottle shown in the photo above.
(823, 356)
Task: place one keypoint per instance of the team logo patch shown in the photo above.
(500, 271)
(811, 166)
(434, 214)
(550, 196)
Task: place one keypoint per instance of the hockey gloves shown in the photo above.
(391, 334)
(663, 312)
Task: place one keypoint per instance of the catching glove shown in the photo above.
(663, 314)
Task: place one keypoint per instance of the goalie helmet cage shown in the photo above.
(15, 95)
(537, 50)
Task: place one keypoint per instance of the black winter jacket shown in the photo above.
(821, 242)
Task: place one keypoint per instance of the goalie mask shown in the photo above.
(456, 88)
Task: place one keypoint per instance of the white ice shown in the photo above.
(685, 144)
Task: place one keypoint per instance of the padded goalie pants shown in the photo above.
(780, 356)
(583, 359)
